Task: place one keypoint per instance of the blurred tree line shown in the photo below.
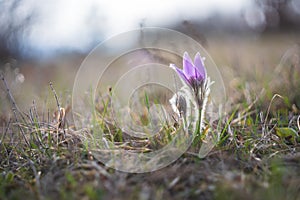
(14, 23)
(282, 15)
(17, 22)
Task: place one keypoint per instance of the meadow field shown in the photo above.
(43, 155)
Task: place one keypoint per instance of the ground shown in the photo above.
(257, 156)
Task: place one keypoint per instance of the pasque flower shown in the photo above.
(193, 74)
(192, 100)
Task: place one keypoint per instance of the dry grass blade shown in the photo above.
(267, 115)
(298, 122)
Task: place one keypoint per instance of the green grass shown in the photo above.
(256, 157)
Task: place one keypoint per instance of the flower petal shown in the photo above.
(180, 73)
(200, 65)
(188, 66)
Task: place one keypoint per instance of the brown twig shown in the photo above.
(15, 108)
(6, 130)
(55, 95)
(61, 111)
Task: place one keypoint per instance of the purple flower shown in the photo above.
(193, 74)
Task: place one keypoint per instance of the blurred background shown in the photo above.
(40, 30)
(47, 41)
(31, 30)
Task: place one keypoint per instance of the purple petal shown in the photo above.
(188, 67)
(180, 73)
(200, 65)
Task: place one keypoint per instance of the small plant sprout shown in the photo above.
(196, 85)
